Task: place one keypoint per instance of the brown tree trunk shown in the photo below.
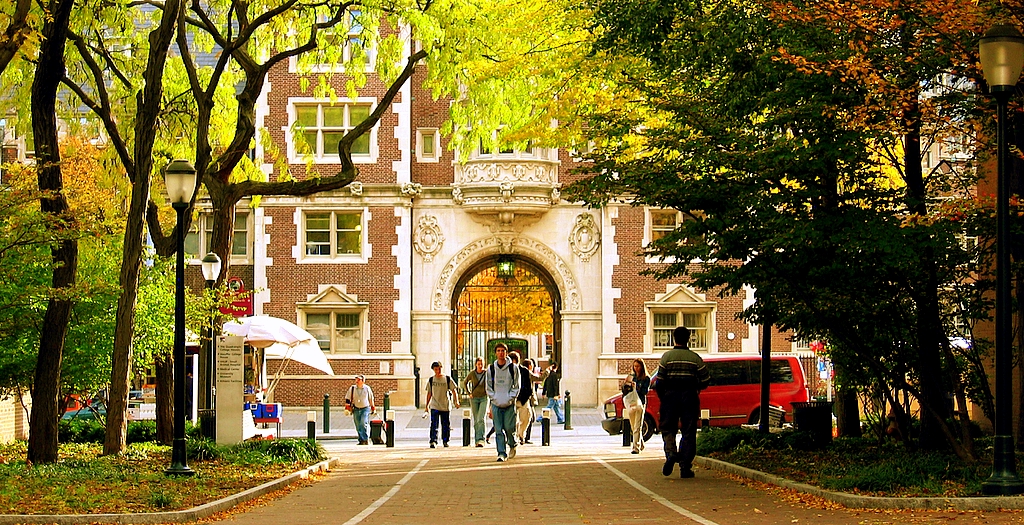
(149, 106)
(847, 409)
(42, 442)
(164, 399)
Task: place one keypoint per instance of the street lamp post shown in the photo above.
(1002, 58)
(180, 178)
(208, 417)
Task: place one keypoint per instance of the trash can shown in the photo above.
(376, 426)
(815, 418)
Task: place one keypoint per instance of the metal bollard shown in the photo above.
(466, 424)
(545, 427)
(389, 428)
(627, 431)
(311, 425)
(705, 418)
(387, 401)
(327, 413)
(568, 411)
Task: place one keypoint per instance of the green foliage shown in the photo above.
(202, 449)
(80, 431)
(141, 431)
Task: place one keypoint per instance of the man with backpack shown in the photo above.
(441, 393)
(502, 389)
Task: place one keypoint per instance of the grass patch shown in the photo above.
(85, 482)
(855, 465)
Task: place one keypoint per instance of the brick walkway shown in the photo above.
(583, 478)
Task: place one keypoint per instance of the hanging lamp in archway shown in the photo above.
(505, 267)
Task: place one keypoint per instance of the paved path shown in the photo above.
(584, 477)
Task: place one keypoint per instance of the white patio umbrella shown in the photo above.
(280, 339)
(262, 331)
(307, 352)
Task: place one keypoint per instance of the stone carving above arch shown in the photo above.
(429, 238)
(536, 251)
(584, 237)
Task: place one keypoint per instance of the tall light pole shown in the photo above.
(1002, 58)
(180, 178)
(208, 417)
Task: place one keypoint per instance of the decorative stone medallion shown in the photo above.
(429, 238)
(584, 237)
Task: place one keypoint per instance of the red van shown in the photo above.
(734, 395)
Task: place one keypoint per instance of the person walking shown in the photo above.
(524, 403)
(682, 374)
(552, 378)
(502, 388)
(441, 393)
(359, 401)
(639, 382)
(476, 385)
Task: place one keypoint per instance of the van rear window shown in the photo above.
(747, 372)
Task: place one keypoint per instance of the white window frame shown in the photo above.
(318, 157)
(352, 31)
(649, 229)
(332, 346)
(333, 258)
(421, 135)
(679, 311)
(202, 226)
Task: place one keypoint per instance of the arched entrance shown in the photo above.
(504, 297)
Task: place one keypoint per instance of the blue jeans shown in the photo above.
(556, 406)
(446, 427)
(361, 417)
(505, 426)
(479, 406)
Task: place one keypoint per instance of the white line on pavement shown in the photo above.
(656, 497)
(384, 499)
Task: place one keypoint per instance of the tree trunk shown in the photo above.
(164, 399)
(42, 443)
(847, 410)
(149, 106)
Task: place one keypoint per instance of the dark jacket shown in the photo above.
(526, 379)
(551, 384)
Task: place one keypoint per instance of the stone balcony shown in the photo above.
(505, 191)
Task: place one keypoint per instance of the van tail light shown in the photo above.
(609, 411)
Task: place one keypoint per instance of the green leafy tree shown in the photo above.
(773, 131)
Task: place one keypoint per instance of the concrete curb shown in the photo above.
(992, 503)
(179, 516)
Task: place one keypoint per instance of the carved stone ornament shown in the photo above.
(457, 195)
(356, 188)
(412, 189)
(556, 196)
(584, 237)
(429, 238)
(507, 189)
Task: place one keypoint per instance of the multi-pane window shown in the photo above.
(199, 240)
(663, 222)
(337, 331)
(319, 127)
(664, 322)
(333, 234)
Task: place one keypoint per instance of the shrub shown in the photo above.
(202, 449)
(141, 431)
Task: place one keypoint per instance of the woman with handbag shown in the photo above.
(634, 399)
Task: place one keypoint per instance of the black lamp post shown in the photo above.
(1002, 58)
(208, 417)
(180, 178)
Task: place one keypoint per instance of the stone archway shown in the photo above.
(544, 258)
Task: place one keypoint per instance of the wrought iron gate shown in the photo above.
(477, 320)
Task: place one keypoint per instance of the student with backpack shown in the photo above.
(502, 388)
(441, 393)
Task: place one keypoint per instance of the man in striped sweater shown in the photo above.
(682, 374)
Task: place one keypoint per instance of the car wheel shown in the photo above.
(650, 427)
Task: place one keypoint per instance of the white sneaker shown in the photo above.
(501, 458)
(512, 453)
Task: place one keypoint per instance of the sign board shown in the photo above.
(230, 381)
(242, 305)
